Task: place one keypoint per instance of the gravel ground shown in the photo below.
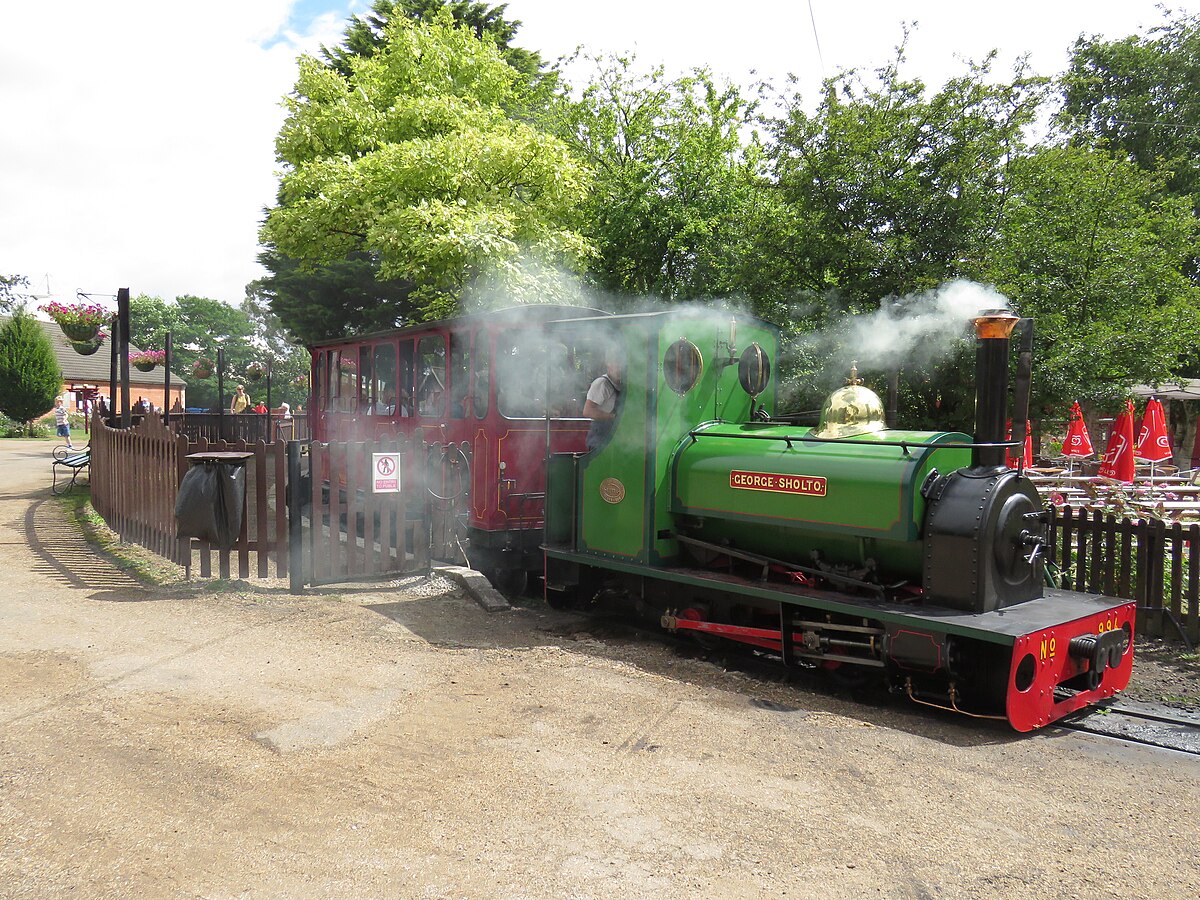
(398, 741)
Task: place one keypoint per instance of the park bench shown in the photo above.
(75, 461)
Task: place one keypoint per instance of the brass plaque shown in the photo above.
(612, 491)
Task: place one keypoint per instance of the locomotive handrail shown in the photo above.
(806, 438)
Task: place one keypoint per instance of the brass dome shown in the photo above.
(851, 410)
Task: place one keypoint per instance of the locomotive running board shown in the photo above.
(1002, 626)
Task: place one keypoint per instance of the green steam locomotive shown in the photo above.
(916, 556)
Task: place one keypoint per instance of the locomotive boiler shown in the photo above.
(850, 546)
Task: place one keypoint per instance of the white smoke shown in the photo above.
(918, 329)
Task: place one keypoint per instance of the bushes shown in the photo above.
(11, 429)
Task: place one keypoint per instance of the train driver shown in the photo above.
(603, 402)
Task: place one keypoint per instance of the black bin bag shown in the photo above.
(209, 503)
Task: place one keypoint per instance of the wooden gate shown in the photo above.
(356, 511)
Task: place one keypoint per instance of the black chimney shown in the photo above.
(993, 330)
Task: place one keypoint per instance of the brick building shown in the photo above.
(85, 376)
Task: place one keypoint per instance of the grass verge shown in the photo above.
(148, 568)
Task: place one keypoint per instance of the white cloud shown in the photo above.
(137, 143)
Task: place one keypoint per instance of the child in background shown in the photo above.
(61, 426)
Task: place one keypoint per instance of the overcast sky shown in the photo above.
(136, 138)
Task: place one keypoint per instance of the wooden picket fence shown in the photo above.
(1150, 561)
(338, 530)
(136, 473)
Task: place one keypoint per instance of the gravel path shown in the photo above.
(404, 743)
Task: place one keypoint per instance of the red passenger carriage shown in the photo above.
(477, 390)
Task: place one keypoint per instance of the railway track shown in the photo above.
(1140, 723)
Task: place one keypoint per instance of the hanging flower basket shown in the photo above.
(146, 360)
(77, 333)
(255, 371)
(87, 348)
(300, 381)
(78, 321)
(348, 367)
(203, 367)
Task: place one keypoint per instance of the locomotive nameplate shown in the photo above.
(612, 490)
(812, 485)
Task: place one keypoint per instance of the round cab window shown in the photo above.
(682, 365)
(754, 370)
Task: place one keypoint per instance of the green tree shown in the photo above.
(366, 35)
(1095, 248)
(1138, 96)
(885, 191)
(674, 182)
(342, 298)
(9, 298)
(199, 327)
(30, 378)
(413, 159)
(892, 190)
(347, 296)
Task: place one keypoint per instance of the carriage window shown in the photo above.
(479, 397)
(431, 376)
(321, 385)
(365, 382)
(460, 373)
(404, 378)
(347, 381)
(385, 380)
(528, 365)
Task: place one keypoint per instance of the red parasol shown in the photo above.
(1117, 463)
(1027, 457)
(1078, 444)
(1153, 445)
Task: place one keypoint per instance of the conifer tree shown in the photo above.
(30, 377)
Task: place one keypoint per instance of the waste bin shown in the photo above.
(212, 498)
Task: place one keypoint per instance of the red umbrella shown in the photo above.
(1078, 444)
(1153, 445)
(1117, 463)
(1027, 457)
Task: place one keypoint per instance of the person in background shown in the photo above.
(62, 426)
(260, 408)
(240, 402)
(603, 399)
(285, 411)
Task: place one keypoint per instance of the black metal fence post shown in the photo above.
(167, 381)
(221, 393)
(123, 353)
(295, 504)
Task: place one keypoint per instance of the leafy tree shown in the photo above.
(895, 191)
(9, 298)
(1138, 96)
(199, 327)
(30, 378)
(344, 297)
(413, 160)
(366, 35)
(1095, 249)
(885, 191)
(673, 181)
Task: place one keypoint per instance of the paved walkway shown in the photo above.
(405, 743)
